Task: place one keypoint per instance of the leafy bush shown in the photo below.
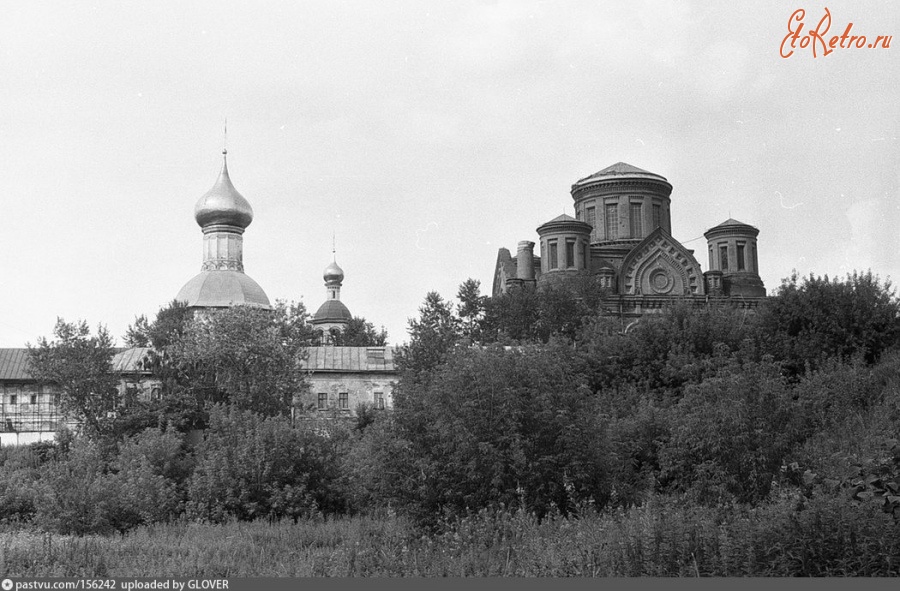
(73, 495)
(494, 426)
(17, 495)
(665, 352)
(817, 318)
(251, 467)
(834, 392)
(729, 435)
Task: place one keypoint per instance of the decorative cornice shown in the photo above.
(613, 185)
(222, 265)
(213, 228)
(573, 226)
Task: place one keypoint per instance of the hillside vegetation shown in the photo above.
(530, 435)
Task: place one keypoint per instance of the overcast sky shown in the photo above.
(425, 135)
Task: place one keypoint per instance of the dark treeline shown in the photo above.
(781, 423)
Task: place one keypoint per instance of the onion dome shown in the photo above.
(333, 275)
(223, 204)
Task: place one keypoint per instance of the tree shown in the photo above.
(432, 335)
(167, 327)
(245, 356)
(809, 320)
(360, 333)
(495, 426)
(683, 344)
(471, 309)
(529, 315)
(80, 365)
(137, 334)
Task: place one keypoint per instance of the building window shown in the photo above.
(379, 400)
(34, 399)
(155, 394)
(657, 216)
(323, 400)
(712, 261)
(740, 257)
(343, 401)
(13, 399)
(591, 218)
(554, 262)
(612, 221)
(723, 257)
(755, 262)
(570, 253)
(637, 230)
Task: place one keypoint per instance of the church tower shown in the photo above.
(733, 261)
(332, 317)
(223, 214)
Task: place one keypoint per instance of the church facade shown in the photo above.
(622, 236)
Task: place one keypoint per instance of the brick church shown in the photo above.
(622, 236)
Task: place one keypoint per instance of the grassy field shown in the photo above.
(658, 539)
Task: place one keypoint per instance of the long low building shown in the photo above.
(340, 379)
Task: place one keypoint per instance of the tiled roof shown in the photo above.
(13, 364)
(350, 359)
(128, 361)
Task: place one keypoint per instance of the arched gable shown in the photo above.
(660, 265)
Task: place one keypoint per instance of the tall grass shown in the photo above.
(824, 536)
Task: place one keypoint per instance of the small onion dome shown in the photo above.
(332, 311)
(223, 204)
(220, 289)
(333, 275)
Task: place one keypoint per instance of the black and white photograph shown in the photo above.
(485, 290)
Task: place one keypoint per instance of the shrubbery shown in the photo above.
(251, 467)
(497, 426)
(695, 441)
